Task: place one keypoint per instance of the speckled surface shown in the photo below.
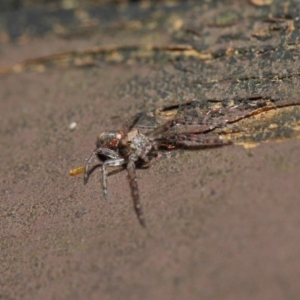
(221, 223)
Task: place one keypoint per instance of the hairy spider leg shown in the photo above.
(130, 123)
(104, 151)
(115, 162)
(135, 192)
(205, 123)
(192, 140)
(181, 126)
(87, 165)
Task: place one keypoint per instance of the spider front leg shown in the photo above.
(109, 163)
(87, 166)
(135, 192)
(104, 151)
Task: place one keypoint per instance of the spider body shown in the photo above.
(187, 125)
(129, 148)
(123, 149)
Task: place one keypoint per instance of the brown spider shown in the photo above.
(178, 126)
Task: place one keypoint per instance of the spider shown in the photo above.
(179, 126)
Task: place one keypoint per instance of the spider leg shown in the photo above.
(109, 163)
(208, 121)
(105, 151)
(179, 126)
(87, 166)
(190, 140)
(163, 128)
(135, 192)
(129, 124)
